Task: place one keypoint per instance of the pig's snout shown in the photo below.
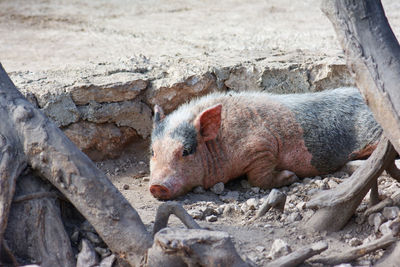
(160, 191)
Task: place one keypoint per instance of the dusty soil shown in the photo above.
(59, 34)
(253, 240)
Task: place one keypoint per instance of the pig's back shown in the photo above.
(335, 124)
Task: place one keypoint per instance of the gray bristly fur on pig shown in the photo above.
(335, 123)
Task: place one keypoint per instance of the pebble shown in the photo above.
(354, 242)
(260, 248)
(230, 208)
(75, 237)
(126, 187)
(391, 213)
(87, 256)
(301, 205)
(279, 248)
(199, 190)
(375, 220)
(230, 196)
(293, 217)
(218, 188)
(207, 211)
(384, 228)
(196, 214)
(255, 190)
(332, 184)
(103, 252)
(211, 218)
(94, 238)
(146, 179)
(322, 184)
(108, 261)
(307, 180)
(244, 208)
(252, 203)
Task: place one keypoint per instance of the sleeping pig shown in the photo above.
(273, 139)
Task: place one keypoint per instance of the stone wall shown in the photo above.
(104, 108)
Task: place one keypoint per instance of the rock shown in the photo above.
(375, 220)
(322, 185)
(332, 184)
(94, 238)
(256, 190)
(218, 188)
(391, 213)
(169, 97)
(384, 228)
(307, 180)
(244, 208)
(75, 237)
(103, 252)
(126, 187)
(62, 110)
(252, 203)
(199, 190)
(279, 248)
(230, 196)
(354, 242)
(87, 256)
(211, 218)
(293, 217)
(100, 141)
(207, 211)
(196, 214)
(133, 114)
(245, 184)
(391, 226)
(108, 261)
(301, 205)
(102, 90)
(275, 199)
(260, 248)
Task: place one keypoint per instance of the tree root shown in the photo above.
(297, 257)
(357, 252)
(337, 205)
(172, 207)
(193, 247)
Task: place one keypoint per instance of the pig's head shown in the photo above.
(178, 149)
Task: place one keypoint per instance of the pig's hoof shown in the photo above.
(160, 191)
(287, 177)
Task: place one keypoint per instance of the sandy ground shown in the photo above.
(43, 35)
(52, 35)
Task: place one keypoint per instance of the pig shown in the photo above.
(272, 139)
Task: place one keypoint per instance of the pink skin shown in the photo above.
(269, 151)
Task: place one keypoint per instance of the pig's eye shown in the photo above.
(185, 152)
(151, 152)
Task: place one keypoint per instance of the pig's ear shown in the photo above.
(209, 122)
(158, 114)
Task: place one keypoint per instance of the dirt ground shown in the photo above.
(52, 35)
(252, 240)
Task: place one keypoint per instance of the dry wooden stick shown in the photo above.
(337, 205)
(172, 207)
(357, 252)
(299, 256)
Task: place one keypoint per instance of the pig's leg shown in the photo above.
(265, 176)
